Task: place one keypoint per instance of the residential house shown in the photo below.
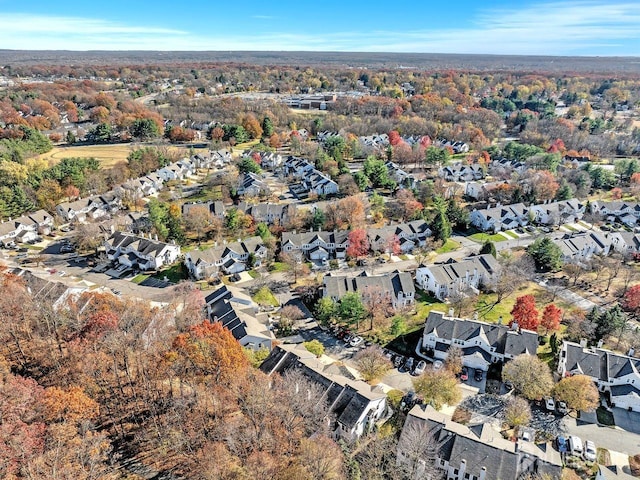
(408, 236)
(398, 174)
(462, 172)
(230, 258)
(557, 213)
(297, 168)
(309, 179)
(252, 185)
(627, 243)
(471, 452)
(90, 208)
(140, 252)
(268, 160)
(456, 146)
(316, 245)
(55, 294)
(355, 405)
(269, 213)
(215, 207)
(239, 314)
(612, 472)
(624, 212)
(480, 190)
(396, 287)
(577, 247)
(501, 167)
(500, 217)
(482, 344)
(25, 228)
(612, 372)
(456, 277)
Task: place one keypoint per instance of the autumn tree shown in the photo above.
(578, 392)
(289, 315)
(296, 266)
(438, 387)
(315, 347)
(207, 350)
(530, 376)
(631, 300)
(517, 412)
(198, 219)
(525, 314)
(358, 243)
(551, 316)
(252, 126)
(372, 363)
(453, 362)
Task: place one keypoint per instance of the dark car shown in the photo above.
(398, 360)
(464, 374)
(561, 444)
(408, 365)
(478, 375)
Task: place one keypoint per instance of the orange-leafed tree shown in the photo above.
(207, 350)
(616, 193)
(393, 245)
(69, 404)
(358, 243)
(394, 138)
(631, 300)
(525, 314)
(551, 316)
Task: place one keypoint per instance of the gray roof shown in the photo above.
(501, 337)
(395, 283)
(214, 254)
(447, 273)
(215, 207)
(585, 360)
(141, 245)
(299, 239)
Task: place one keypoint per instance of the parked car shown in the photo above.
(590, 453)
(508, 385)
(529, 228)
(398, 361)
(437, 365)
(550, 404)
(464, 374)
(575, 446)
(478, 374)
(420, 368)
(356, 341)
(562, 408)
(546, 229)
(408, 365)
(561, 444)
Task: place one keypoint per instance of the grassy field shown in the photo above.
(175, 273)
(108, 155)
(449, 246)
(483, 237)
(510, 234)
(139, 278)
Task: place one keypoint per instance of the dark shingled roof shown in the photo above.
(624, 389)
(584, 360)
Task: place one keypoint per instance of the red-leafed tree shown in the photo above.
(616, 193)
(358, 243)
(551, 316)
(631, 300)
(425, 141)
(393, 245)
(394, 138)
(525, 314)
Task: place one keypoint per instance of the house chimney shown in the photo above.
(583, 342)
(515, 326)
(155, 237)
(462, 469)
(500, 320)
(451, 312)
(483, 473)
(631, 352)
(600, 343)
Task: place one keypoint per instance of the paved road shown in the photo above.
(610, 438)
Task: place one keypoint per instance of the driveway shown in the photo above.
(626, 420)
(611, 438)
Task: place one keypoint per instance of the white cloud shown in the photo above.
(554, 28)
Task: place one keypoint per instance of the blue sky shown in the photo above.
(573, 27)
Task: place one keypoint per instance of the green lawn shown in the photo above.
(278, 267)
(253, 274)
(511, 234)
(139, 278)
(449, 246)
(605, 417)
(570, 228)
(175, 273)
(481, 237)
(403, 257)
(424, 304)
(265, 296)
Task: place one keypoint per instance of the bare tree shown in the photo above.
(418, 451)
(372, 363)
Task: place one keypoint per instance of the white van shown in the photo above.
(575, 445)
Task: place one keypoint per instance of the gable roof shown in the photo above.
(452, 270)
(394, 283)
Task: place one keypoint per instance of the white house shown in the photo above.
(500, 217)
(557, 213)
(612, 372)
(140, 252)
(453, 277)
(469, 452)
(582, 246)
(230, 258)
(238, 313)
(397, 287)
(355, 405)
(90, 208)
(252, 185)
(462, 172)
(482, 344)
(316, 245)
(408, 236)
(25, 228)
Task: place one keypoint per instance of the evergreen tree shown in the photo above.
(488, 247)
(267, 127)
